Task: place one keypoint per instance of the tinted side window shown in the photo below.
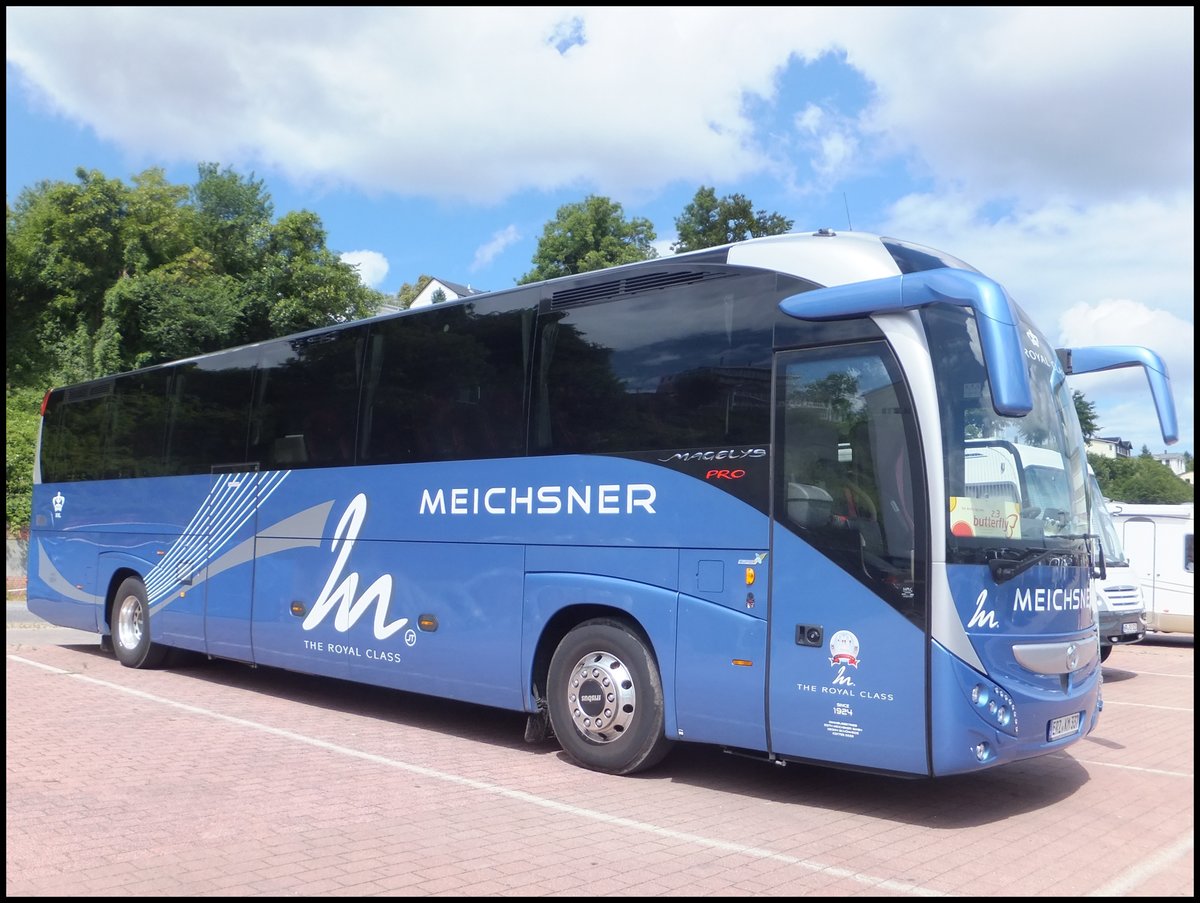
(307, 409)
(74, 431)
(139, 424)
(684, 367)
(447, 383)
(210, 412)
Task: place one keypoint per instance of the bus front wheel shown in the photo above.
(131, 627)
(605, 699)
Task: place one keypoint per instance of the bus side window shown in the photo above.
(328, 437)
(847, 482)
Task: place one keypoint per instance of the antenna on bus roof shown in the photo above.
(849, 225)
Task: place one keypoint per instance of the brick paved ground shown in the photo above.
(215, 779)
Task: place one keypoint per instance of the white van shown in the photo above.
(1117, 593)
(1160, 541)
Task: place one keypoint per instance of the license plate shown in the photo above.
(1063, 727)
(1129, 627)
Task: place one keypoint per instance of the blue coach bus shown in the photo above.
(717, 498)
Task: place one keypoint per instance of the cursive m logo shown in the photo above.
(843, 679)
(983, 618)
(341, 595)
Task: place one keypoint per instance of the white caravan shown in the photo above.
(1160, 541)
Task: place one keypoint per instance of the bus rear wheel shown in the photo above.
(131, 627)
(605, 699)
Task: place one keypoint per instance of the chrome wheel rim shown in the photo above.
(601, 697)
(130, 622)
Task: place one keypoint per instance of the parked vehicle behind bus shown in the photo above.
(1116, 589)
(719, 497)
(1161, 543)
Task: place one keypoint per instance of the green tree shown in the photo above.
(160, 226)
(300, 284)
(176, 310)
(408, 292)
(25, 305)
(234, 217)
(22, 408)
(590, 235)
(104, 277)
(68, 240)
(1087, 415)
(1139, 481)
(708, 221)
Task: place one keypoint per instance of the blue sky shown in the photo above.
(1053, 148)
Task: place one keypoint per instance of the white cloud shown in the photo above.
(831, 140)
(1121, 396)
(487, 252)
(1010, 102)
(371, 265)
(1114, 273)
(1053, 146)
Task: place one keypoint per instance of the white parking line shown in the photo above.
(1138, 874)
(1164, 773)
(1147, 705)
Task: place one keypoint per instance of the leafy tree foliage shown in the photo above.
(408, 292)
(708, 221)
(233, 216)
(24, 353)
(21, 413)
(104, 277)
(1140, 480)
(1087, 415)
(298, 283)
(69, 247)
(590, 235)
(176, 310)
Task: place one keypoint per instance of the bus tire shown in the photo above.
(1105, 652)
(131, 627)
(605, 699)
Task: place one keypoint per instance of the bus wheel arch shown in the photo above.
(129, 624)
(604, 696)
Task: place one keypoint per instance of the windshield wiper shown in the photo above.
(1004, 569)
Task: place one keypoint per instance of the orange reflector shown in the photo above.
(743, 663)
(749, 576)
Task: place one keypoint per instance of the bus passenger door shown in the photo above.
(230, 524)
(848, 599)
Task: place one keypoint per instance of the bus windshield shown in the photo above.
(1013, 484)
(1103, 526)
